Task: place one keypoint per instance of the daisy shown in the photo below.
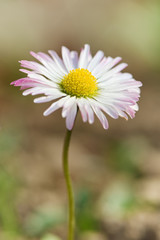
(94, 85)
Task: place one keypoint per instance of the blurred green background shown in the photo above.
(116, 173)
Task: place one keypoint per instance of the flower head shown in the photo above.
(95, 85)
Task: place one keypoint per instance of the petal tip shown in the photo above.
(45, 114)
(31, 52)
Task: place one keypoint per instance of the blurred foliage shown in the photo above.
(85, 212)
(125, 156)
(9, 184)
(8, 190)
(118, 200)
(10, 139)
(42, 220)
(50, 237)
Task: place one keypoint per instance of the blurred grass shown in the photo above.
(10, 140)
(43, 220)
(125, 156)
(85, 211)
(50, 237)
(119, 200)
(8, 191)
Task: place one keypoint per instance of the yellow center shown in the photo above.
(79, 83)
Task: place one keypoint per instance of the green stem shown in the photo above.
(71, 221)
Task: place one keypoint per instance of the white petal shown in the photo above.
(55, 106)
(48, 98)
(100, 67)
(71, 115)
(135, 107)
(58, 61)
(100, 116)
(109, 59)
(67, 59)
(83, 112)
(122, 96)
(95, 60)
(118, 77)
(114, 83)
(84, 55)
(112, 72)
(31, 91)
(89, 111)
(48, 91)
(74, 57)
(68, 104)
(108, 66)
(49, 64)
(121, 113)
(109, 109)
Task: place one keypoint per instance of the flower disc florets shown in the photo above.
(79, 83)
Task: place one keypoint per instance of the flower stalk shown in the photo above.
(71, 216)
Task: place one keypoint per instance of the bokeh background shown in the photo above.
(116, 173)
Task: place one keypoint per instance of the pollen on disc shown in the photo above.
(79, 83)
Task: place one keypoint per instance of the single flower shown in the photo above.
(95, 85)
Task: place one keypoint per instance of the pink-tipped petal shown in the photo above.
(100, 116)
